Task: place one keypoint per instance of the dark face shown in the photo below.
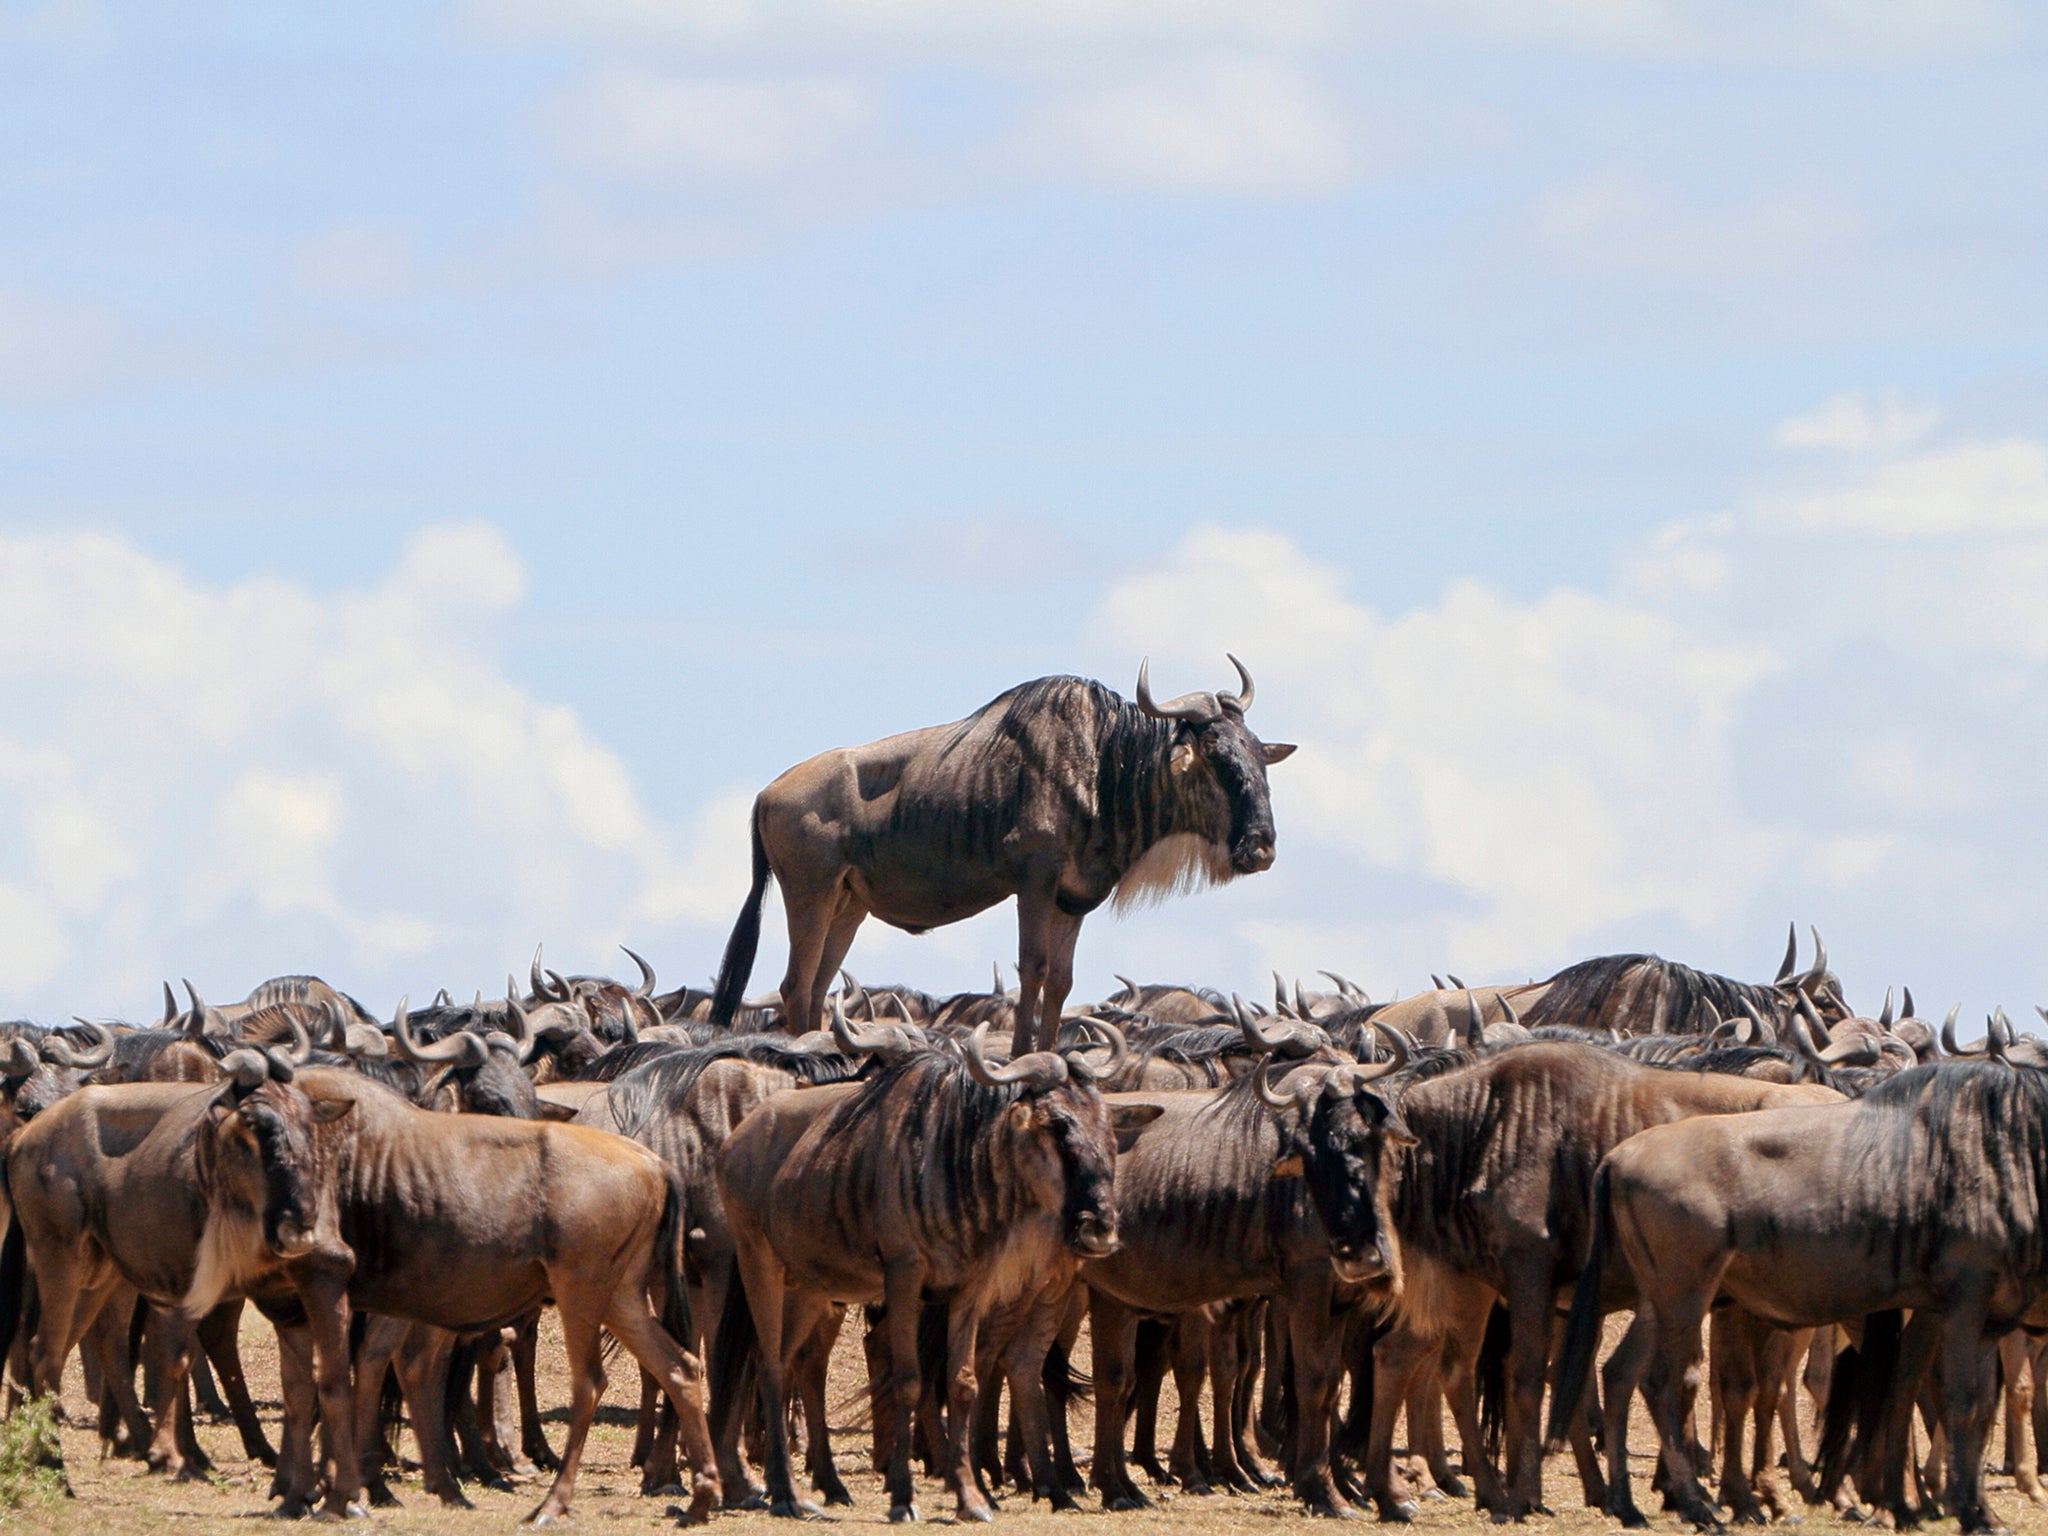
(1238, 759)
(262, 1159)
(497, 1086)
(1343, 1140)
(1076, 1122)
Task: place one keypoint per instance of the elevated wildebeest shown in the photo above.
(941, 1177)
(1058, 793)
(1253, 1190)
(1925, 1193)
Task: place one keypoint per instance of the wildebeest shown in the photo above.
(1649, 995)
(1494, 1200)
(188, 1195)
(942, 1176)
(1925, 1193)
(1057, 792)
(1254, 1190)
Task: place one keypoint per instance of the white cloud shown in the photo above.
(1858, 423)
(1245, 127)
(1997, 487)
(232, 781)
(640, 125)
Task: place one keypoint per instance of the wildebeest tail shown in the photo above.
(1492, 1379)
(738, 963)
(668, 1246)
(1582, 1324)
(1859, 1392)
(13, 1270)
(732, 1352)
(1063, 1384)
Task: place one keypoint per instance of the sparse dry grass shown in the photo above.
(117, 1498)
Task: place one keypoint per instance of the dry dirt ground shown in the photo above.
(116, 1498)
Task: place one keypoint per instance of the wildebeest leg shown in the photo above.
(1192, 1335)
(1069, 1332)
(1732, 1339)
(1024, 1366)
(220, 1337)
(902, 1292)
(1967, 1371)
(1150, 1348)
(1397, 1359)
(813, 1359)
(1780, 1356)
(1224, 1393)
(817, 914)
(764, 1289)
(1531, 1300)
(963, 1325)
(423, 1357)
(296, 1479)
(1270, 1427)
(2037, 1355)
(107, 1337)
(1113, 1329)
(170, 1339)
(322, 1283)
(1674, 1370)
(1310, 1307)
(1045, 955)
(582, 1341)
(1251, 1334)
(2016, 1355)
(372, 1361)
(1619, 1378)
(533, 1439)
(681, 1375)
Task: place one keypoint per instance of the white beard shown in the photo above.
(1182, 862)
(230, 1250)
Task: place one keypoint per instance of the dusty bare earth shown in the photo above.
(116, 1498)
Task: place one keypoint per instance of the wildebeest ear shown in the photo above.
(1183, 757)
(1276, 751)
(1133, 1117)
(549, 1110)
(1023, 1115)
(327, 1111)
(1395, 1130)
(1289, 1167)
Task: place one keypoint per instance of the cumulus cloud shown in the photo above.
(1857, 422)
(1999, 487)
(232, 781)
(53, 350)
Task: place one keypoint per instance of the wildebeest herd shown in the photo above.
(1324, 1217)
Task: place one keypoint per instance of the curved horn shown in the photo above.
(461, 1048)
(524, 1040)
(1820, 958)
(997, 1077)
(1995, 1042)
(201, 1016)
(1811, 1014)
(1262, 1085)
(1516, 1019)
(1713, 1016)
(1457, 982)
(2004, 1025)
(59, 1052)
(1241, 701)
(1398, 1057)
(1885, 1015)
(1475, 1027)
(1119, 1052)
(1344, 988)
(1948, 1034)
(1764, 1034)
(646, 987)
(1791, 955)
(301, 1050)
(1804, 1040)
(842, 1031)
(1437, 982)
(1132, 991)
(1188, 706)
(170, 1006)
(1252, 1033)
(443, 998)
(536, 980)
(1908, 999)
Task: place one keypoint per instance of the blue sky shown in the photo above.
(449, 459)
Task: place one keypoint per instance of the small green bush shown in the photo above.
(29, 1452)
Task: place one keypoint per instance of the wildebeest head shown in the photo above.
(1216, 756)
(39, 1067)
(256, 1162)
(482, 1067)
(1064, 1135)
(1338, 1133)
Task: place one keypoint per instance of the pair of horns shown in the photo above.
(1346, 1077)
(1785, 966)
(1048, 1069)
(1196, 708)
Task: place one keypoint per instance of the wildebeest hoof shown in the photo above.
(543, 1517)
(901, 1514)
(381, 1497)
(980, 1514)
(454, 1498)
(1452, 1487)
(1124, 1502)
(1432, 1495)
(1396, 1511)
(755, 1497)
